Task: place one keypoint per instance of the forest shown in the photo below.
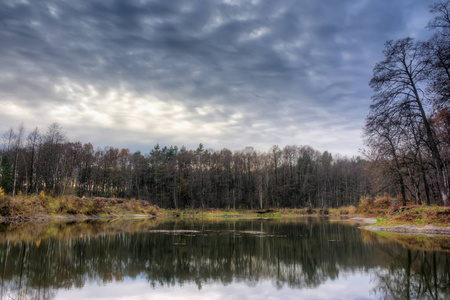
(407, 134)
(172, 177)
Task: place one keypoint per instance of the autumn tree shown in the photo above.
(397, 82)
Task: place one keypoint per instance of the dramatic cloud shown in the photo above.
(223, 73)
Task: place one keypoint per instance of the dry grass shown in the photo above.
(390, 213)
(25, 207)
(345, 210)
(378, 207)
(275, 212)
(422, 215)
(22, 206)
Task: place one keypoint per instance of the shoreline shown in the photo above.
(370, 224)
(205, 215)
(405, 229)
(410, 229)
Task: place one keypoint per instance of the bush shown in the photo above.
(365, 204)
(70, 205)
(347, 210)
(21, 207)
(94, 207)
(383, 202)
(309, 210)
(323, 211)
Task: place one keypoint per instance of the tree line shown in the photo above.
(408, 128)
(172, 177)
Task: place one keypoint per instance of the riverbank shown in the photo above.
(414, 219)
(42, 208)
(372, 224)
(380, 214)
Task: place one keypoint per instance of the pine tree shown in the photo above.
(6, 182)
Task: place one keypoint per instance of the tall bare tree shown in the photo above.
(397, 82)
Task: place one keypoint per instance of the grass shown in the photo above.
(389, 213)
(23, 207)
(343, 211)
(270, 215)
(43, 206)
(273, 213)
(421, 215)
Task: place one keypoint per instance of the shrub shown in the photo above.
(309, 210)
(365, 204)
(21, 207)
(93, 206)
(383, 202)
(347, 210)
(71, 205)
(324, 211)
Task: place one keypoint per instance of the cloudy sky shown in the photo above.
(229, 73)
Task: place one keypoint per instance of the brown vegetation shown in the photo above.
(390, 213)
(346, 210)
(42, 206)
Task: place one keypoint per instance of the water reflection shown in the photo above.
(37, 260)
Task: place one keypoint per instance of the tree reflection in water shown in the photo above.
(415, 275)
(297, 254)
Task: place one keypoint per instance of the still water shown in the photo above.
(307, 258)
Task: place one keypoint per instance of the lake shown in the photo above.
(298, 258)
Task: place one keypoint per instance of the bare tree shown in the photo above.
(397, 83)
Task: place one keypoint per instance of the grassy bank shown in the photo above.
(388, 213)
(23, 207)
(43, 206)
(384, 209)
(266, 213)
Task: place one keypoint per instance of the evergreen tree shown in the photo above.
(6, 182)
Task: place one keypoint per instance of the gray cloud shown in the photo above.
(224, 73)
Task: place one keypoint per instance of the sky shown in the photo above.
(228, 74)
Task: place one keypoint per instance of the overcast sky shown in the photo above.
(223, 73)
